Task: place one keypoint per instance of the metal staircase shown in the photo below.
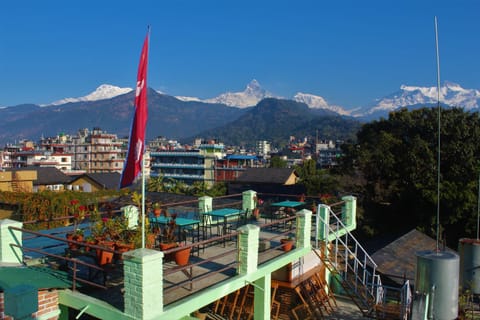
(356, 272)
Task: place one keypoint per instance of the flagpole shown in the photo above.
(143, 201)
(143, 164)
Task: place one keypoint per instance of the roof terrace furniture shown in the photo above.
(288, 204)
(282, 210)
(227, 214)
(183, 225)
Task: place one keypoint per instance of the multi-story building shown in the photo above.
(96, 151)
(187, 166)
(263, 148)
(233, 165)
(328, 153)
(16, 155)
(61, 161)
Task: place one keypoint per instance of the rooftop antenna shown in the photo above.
(478, 206)
(439, 118)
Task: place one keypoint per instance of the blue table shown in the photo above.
(182, 224)
(288, 204)
(281, 213)
(224, 213)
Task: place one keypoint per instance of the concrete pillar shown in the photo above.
(262, 297)
(248, 240)
(349, 212)
(143, 282)
(304, 228)
(323, 226)
(248, 200)
(10, 255)
(205, 204)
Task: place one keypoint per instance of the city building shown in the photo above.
(263, 148)
(328, 153)
(233, 165)
(97, 151)
(187, 166)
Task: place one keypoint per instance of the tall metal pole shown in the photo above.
(478, 206)
(439, 144)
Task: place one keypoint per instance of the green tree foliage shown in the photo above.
(316, 181)
(198, 188)
(277, 162)
(276, 120)
(397, 157)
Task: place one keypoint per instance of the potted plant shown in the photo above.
(75, 235)
(90, 240)
(78, 214)
(104, 233)
(157, 209)
(127, 238)
(287, 243)
(169, 241)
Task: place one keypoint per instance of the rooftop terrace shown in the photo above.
(236, 251)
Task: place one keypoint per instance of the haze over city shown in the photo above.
(348, 52)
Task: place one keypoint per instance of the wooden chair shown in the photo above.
(274, 305)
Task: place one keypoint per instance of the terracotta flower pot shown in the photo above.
(90, 242)
(104, 257)
(151, 238)
(122, 247)
(182, 256)
(74, 237)
(287, 244)
(165, 246)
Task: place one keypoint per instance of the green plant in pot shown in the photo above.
(287, 243)
(78, 213)
(169, 241)
(157, 209)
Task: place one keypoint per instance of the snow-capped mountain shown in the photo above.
(104, 91)
(451, 94)
(317, 102)
(252, 94)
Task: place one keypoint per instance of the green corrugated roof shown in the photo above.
(39, 277)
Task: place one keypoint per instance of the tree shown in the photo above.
(277, 162)
(316, 181)
(398, 159)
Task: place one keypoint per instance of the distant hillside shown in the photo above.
(272, 119)
(276, 120)
(168, 116)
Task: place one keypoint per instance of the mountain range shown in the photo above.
(110, 108)
(451, 94)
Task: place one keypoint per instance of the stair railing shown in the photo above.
(355, 262)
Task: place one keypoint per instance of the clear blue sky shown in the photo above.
(349, 52)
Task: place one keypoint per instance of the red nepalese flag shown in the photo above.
(136, 144)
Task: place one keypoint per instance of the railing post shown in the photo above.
(143, 282)
(349, 212)
(205, 204)
(248, 200)
(248, 242)
(10, 255)
(324, 213)
(304, 229)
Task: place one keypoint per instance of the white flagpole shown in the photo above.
(143, 163)
(143, 201)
